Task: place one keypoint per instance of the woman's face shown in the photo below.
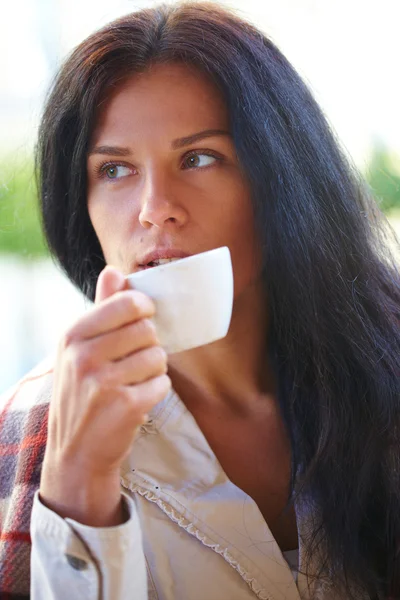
(163, 174)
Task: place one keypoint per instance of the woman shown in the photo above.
(176, 130)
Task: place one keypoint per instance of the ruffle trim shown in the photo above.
(177, 518)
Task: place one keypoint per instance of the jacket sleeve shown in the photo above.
(71, 560)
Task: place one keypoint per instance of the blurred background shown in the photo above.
(348, 52)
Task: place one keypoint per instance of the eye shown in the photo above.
(113, 171)
(197, 160)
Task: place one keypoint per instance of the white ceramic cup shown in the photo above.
(193, 298)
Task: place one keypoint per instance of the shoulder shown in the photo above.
(28, 398)
(23, 436)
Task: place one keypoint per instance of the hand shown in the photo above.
(110, 371)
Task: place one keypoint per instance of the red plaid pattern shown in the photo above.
(23, 434)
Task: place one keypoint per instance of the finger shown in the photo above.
(140, 366)
(109, 282)
(113, 313)
(144, 396)
(119, 343)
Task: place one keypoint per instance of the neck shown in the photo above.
(234, 372)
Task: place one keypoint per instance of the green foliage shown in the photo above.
(383, 175)
(20, 230)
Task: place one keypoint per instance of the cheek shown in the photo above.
(245, 245)
(94, 210)
(98, 221)
(241, 219)
(104, 229)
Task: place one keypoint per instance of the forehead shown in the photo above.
(160, 101)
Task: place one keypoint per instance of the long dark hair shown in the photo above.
(332, 282)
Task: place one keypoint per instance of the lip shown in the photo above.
(159, 253)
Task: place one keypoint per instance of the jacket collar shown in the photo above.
(172, 464)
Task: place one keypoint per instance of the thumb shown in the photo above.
(109, 282)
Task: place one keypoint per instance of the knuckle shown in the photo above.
(123, 302)
(135, 303)
(130, 397)
(160, 356)
(67, 339)
(143, 397)
(150, 328)
(92, 388)
(144, 301)
(80, 359)
(145, 330)
(166, 379)
(146, 359)
(164, 385)
(106, 378)
(129, 303)
(126, 395)
(155, 357)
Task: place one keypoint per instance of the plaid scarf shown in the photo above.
(23, 435)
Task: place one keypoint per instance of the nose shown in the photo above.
(160, 206)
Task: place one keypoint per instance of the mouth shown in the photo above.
(158, 262)
(160, 256)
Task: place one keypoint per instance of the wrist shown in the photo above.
(93, 500)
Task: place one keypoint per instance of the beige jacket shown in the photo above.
(192, 534)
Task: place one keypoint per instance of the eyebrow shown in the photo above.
(175, 145)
